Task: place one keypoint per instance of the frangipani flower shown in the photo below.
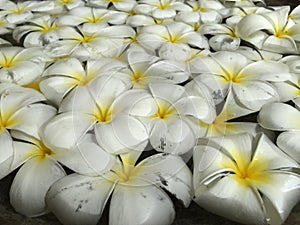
(144, 69)
(225, 72)
(64, 76)
(20, 66)
(172, 41)
(107, 107)
(136, 190)
(272, 31)
(169, 127)
(224, 36)
(290, 89)
(39, 31)
(161, 9)
(17, 105)
(92, 17)
(283, 117)
(28, 190)
(18, 12)
(245, 179)
(121, 5)
(89, 44)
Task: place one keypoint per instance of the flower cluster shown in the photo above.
(103, 102)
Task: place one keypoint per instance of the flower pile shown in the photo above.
(123, 103)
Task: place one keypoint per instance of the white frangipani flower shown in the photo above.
(20, 65)
(17, 105)
(120, 5)
(161, 9)
(66, 75)
(19, 12)
(169, 127)
(245, 179)
(144, 68)
(28, 190)
(93, 17)
(224, 36)
(89, 44)
(107, 107)
(283, 117)
(224, 72)
(272, 31)
(39, 31)
(136, 190)
(172, 41)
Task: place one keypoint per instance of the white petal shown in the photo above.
(279, 116)
(283, 193)
(289, 142)
(65, 130)
(29, 188)
(123, 133)
(87, 158)
(140, 205)
(77, 199)
(167, 92)
(230, 199)
(254, 94)
(169, 172)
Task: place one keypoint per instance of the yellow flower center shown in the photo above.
(163, 5)
(137, 77)
(93, 19)
(86, 38)
(164, 110)
(248, 172)
(173, 38)
(64, 2)
(41, 150)
(46, 28)
(103, 114)
(34, 85)
(18, 10)
(7, 62)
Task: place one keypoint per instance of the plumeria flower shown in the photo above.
(290, 89)
(5, 26)
(161, 9)
(172, 41)
(221, 114)
(86, 44)
(136, 191)
(107, 107)
(225, 72)
(39, 31)
(272, 31)
(283, 117)
(245, 179)
(209, 11)
(93, 17)
(121, 5)
(28, 190)
(64, 76)
(224, 36)
(19, 65)
(144, 68)
(19, 12)
(169, 126)
(17, 105)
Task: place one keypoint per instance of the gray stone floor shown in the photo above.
(194, 215)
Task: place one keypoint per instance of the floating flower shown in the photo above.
(136, 192)
(245, 179)
(283, 117)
